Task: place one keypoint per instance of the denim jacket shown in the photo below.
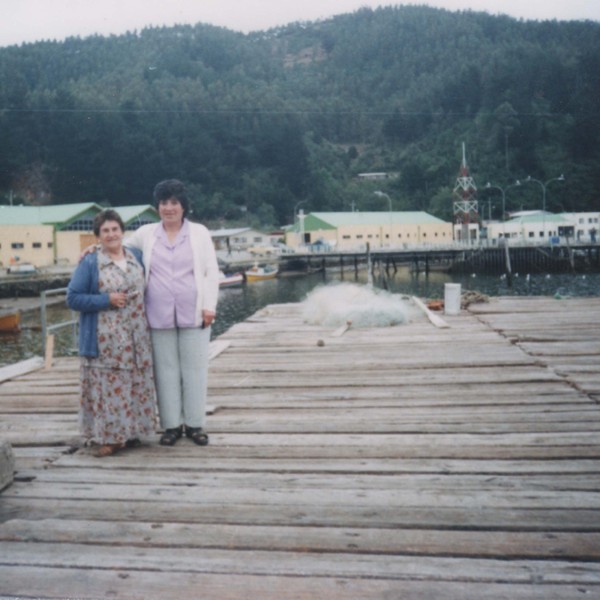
(83, 296)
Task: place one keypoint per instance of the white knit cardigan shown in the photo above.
(206, 268)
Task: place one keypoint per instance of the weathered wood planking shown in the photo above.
(406, 462)
(563, 334)
(514, 545)
(21, 368)
(143, 584)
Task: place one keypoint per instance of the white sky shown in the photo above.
(34, 20)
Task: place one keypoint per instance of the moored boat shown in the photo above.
(10, 321)
(257, 273)
(230, 280)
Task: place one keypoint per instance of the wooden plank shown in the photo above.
(154, 460)
(374, 378)
(49, 352)
(217, 347)
(221, 432)
(296, 564)
(429, 517)
(45, 583)
(341, 330)
(20, 368)
(433, 318)
(418, 482)
(466, 499)
(387, 420)
(297, 399)
(29, 460)
(479, 544)
(421, 450)
(585, 348)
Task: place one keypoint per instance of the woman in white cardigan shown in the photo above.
(182, 287)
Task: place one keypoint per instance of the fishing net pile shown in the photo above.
(334, 305)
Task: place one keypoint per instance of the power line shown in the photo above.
(256, 111)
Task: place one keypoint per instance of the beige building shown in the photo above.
(353, 230)
(50, 235)
(26, 244)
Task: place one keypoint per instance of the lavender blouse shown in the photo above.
(171, 290)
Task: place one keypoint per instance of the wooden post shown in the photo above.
(571, 256)
(508, 267)
(49, 351)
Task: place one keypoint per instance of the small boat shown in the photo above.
(257, 273)
(10, 321)
(230, 280)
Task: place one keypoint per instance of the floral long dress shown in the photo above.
(118, 394)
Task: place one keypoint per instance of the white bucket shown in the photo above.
(452, 298)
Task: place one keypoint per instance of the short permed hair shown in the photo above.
(107, 215)
(172, 188)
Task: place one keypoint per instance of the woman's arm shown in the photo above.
(82, 294)
(135, 239)
(211, 276)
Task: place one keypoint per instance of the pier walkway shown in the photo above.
(406, 462)
(459, 258)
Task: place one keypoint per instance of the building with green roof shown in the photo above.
(353, 230)
(48, 235)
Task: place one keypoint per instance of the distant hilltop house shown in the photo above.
(50, 235)
(376, 176)
(353, 230)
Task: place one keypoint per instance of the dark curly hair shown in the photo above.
(172, 188)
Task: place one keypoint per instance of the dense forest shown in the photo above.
(260, 124)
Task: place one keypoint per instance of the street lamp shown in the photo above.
(543, 185)
(300, 221)
(489, 186)
(384, 195)
(296, 208)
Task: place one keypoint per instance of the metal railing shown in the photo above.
(50, 329)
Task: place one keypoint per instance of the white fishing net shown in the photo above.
(335, 304)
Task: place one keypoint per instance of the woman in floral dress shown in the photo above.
(118, 403)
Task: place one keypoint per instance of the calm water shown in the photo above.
(237, 304)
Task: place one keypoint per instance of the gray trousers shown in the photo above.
(181, 373)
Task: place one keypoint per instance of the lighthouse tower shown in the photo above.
(466, 211)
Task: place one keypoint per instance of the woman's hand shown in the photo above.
(88, 250)
(117, 299)
(208, 318)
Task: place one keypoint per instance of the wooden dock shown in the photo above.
(458, 258)
(405, 462)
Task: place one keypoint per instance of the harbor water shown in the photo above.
(238, 303)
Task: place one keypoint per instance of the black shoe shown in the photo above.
(133, 443)
(170, 436)
(196, 435)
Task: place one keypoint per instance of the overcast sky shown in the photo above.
(34, 20)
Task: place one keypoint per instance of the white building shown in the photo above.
(541, 227)
(243, 238)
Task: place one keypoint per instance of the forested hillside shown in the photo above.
(256, 124)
